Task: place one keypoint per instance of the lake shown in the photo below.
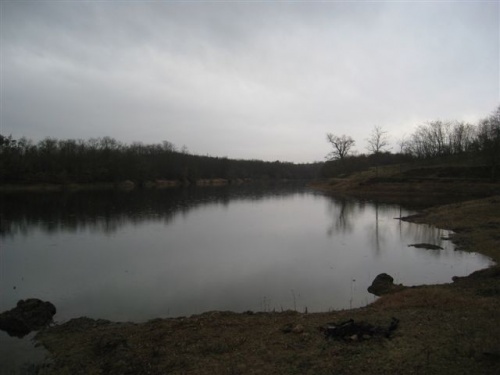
(141, 254)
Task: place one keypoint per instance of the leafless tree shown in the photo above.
(168, 146)
(462, 137)
(488, 139)
(433, 139)
(341, 146)
(377, 143)
(404, 145)
(378, 140)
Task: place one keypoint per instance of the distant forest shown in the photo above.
(107, 160)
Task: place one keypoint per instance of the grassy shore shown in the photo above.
(443, 329)
(406, 182)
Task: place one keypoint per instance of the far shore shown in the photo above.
(130, 185)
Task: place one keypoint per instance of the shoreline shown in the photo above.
(127, 185)
(457, 320)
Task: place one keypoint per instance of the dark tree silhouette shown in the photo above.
(488, 140)
(341, 146)
(107, 160)
(378, 141)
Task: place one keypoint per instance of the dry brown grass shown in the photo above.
(432, 297)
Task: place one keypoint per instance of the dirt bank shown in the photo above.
(443, 329)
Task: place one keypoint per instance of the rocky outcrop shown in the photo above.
(29, 315)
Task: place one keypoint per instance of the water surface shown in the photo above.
(157, 253)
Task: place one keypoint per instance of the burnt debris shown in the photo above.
(357, 331)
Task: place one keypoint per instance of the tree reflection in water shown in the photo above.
(109, 210)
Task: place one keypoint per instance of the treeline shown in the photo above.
(431, 143)
(107, 160)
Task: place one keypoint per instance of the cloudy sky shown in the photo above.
(249, 79)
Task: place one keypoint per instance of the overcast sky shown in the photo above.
(250, 79)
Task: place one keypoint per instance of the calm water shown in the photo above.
(138, 255)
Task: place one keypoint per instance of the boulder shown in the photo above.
(384, 284)
(29, 315)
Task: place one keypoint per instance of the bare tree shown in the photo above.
(462, 137)
(488, 138)
(404, 144)
(168, 146)
(341, 146)
(378, 140)
(377, 143)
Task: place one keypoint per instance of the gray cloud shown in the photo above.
(261, 80)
